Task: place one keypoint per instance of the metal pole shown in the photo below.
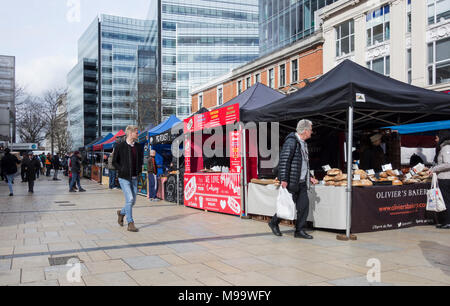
(349, 169)
(245, 185)
(178, 177)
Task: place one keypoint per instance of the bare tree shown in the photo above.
(29, 121)
(51, 101)
(63, 138)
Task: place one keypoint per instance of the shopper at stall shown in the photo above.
(48, 164)
(112, 172)
(442, 169)
(128, 160)
(75, 163)
(22, 168)
(31, 166)
(294, 174)
(373, 157)
(56, 164)
(152, 176)
(9, 166)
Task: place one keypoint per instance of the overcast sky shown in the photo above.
(43, 35)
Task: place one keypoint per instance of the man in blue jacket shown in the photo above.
(294, 174)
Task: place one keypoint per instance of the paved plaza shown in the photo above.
(179, 246)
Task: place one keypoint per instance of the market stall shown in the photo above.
(214, 183)
(351, 101)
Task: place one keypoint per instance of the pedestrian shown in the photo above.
(42, 158)
(22, 168)
(152, 176)
(128, 159)
(9, 166)
(31, 165)
(294, 174)
(48, 164)
(373, 158)
(442, 169)
(112, 173)
(76, 171)
(56, 164)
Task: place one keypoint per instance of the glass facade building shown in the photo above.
(201, 40)
(283, 22)
(7, 98)
(114, 83)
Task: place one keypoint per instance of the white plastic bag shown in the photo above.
(285, 205)
(435, 201)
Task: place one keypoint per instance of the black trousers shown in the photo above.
(302, 204)
(31, 185)
(444, 186)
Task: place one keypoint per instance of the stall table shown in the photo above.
(374, 208)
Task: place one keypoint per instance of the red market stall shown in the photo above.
(219, 189)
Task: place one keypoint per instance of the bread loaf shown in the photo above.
(334, 172)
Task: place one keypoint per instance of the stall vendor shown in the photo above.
(373, 157)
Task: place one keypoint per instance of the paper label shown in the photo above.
(312, 173)
(371, 172)
(408, 176)
(419, 168)
(397, 173)
(357, 177)
(326, 168)
(387, 167)
(355, 167)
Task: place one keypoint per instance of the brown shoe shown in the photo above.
(120, 220)
(132, 228)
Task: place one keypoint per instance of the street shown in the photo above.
(180, 246)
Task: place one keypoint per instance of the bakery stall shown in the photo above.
(347, 105)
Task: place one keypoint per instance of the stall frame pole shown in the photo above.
(244, 175)
(178, 178)
(349, 169)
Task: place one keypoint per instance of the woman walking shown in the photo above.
(442, 169)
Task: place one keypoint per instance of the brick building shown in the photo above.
(285, 70)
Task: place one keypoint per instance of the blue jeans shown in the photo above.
(10, 178)
(75, 179)
(152, 185)
(129, 189)
(112, 179)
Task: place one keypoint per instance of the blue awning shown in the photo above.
(165, 126)
(420, 127)
(106, 138)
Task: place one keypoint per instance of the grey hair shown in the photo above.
(304, 125)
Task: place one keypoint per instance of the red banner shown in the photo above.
(215, 118)
(235, 152)
(217, 192)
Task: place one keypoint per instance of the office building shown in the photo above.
(282, 22)
(115, 78)
(201, 40)
(7, 99)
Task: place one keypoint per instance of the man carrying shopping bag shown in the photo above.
(294, 175)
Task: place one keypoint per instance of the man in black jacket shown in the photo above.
(128, 159)
(56, 166)
(9, 168)
(31, 165)
(294, 175)
(76, 170)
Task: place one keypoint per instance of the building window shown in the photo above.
(438, 10)
(345, 38)
(294, 71)
(439, 62)
(220, 96)
(282, 75)
(408, 17)
(378, 26)
(248, 83)
(200, 101)
(271, 78)
(409, 65)
(258, 78)
(239, 87)
(381, 65)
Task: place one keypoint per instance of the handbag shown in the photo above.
(435, 201)
(285, 205)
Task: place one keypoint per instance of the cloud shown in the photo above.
(43, 73)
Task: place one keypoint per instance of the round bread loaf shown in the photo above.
(334, 172)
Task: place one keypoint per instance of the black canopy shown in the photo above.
(373, 96)
(257, 96)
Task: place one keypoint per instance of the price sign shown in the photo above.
(326, 168)
(355, 167)
(387, 167)
(357, 177)
(371, 172)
